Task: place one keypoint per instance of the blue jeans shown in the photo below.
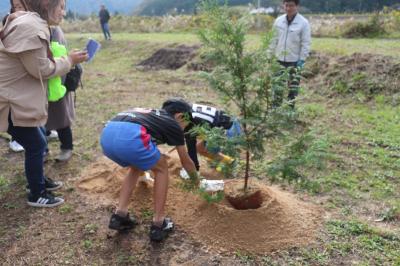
(34, 142)
(106, 30)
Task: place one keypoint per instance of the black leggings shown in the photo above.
(65, 137)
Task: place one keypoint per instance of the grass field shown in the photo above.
(358, 187)
(329, 45)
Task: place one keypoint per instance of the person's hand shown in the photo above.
(300, 64)
(192, 182)
(77, 56)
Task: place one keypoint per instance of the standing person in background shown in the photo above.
(26, 64)
(104, 16)
(62, 112)
(291, 46)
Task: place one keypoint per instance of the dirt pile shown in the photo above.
(281, 222)
(366, 73)
(170, 58)
(201, 64)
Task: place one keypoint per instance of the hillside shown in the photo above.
(161, 7)
(90, 6)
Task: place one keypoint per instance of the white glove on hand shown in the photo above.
(146, 178)
(184, 174)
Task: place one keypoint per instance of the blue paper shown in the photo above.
(92, 47)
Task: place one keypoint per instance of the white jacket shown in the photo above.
(291, 43)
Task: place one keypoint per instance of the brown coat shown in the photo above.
(25, 68)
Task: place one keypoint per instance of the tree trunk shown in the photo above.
(246, 176)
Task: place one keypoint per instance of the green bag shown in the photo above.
(56, 90)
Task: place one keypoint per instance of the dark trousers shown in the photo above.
(293, 84)
(106, 30)
(65, 137)
(34, 142)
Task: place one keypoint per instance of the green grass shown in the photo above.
(341, 46)
(336, 46)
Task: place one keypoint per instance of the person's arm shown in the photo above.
(39, 65)
(108, 15)
(274, 41)
(191, 143)
(305, 42)
(37, 61)
(186, 162)
(5, 19)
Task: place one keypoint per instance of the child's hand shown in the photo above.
(77, 56)
(192, 183)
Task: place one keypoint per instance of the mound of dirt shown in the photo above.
(201, 64)
(170, 58)
(282, 221)
(366, 73)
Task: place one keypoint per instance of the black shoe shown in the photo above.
(120, 223)
(158, 234)
(46, 200)
(49, 184)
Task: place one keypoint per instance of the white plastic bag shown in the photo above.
(212, 185)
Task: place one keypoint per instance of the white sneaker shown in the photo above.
(15, 146)
(53, 135)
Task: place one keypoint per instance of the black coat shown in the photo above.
(104, 16)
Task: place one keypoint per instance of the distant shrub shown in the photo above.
(327, 25)
(393, 21)
(261, 23)
(373, 28)
(168, 23)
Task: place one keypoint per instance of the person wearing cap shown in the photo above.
(212, 117)
(130, 139)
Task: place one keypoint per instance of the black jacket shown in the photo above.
(104, 16)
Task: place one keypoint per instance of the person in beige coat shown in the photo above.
(26, 64)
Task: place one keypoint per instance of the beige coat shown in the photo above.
(25, 68)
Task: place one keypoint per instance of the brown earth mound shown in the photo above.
(201, 64)
(170, 58)
(282, 221)
(366, 73)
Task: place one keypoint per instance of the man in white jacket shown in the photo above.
(291, 46)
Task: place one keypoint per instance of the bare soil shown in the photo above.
(280, 223)
(170, 58)
(366, 73)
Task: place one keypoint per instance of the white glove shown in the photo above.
(146, 178)
(184, 174)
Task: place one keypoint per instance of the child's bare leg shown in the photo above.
(128, 185)
(160, 190)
